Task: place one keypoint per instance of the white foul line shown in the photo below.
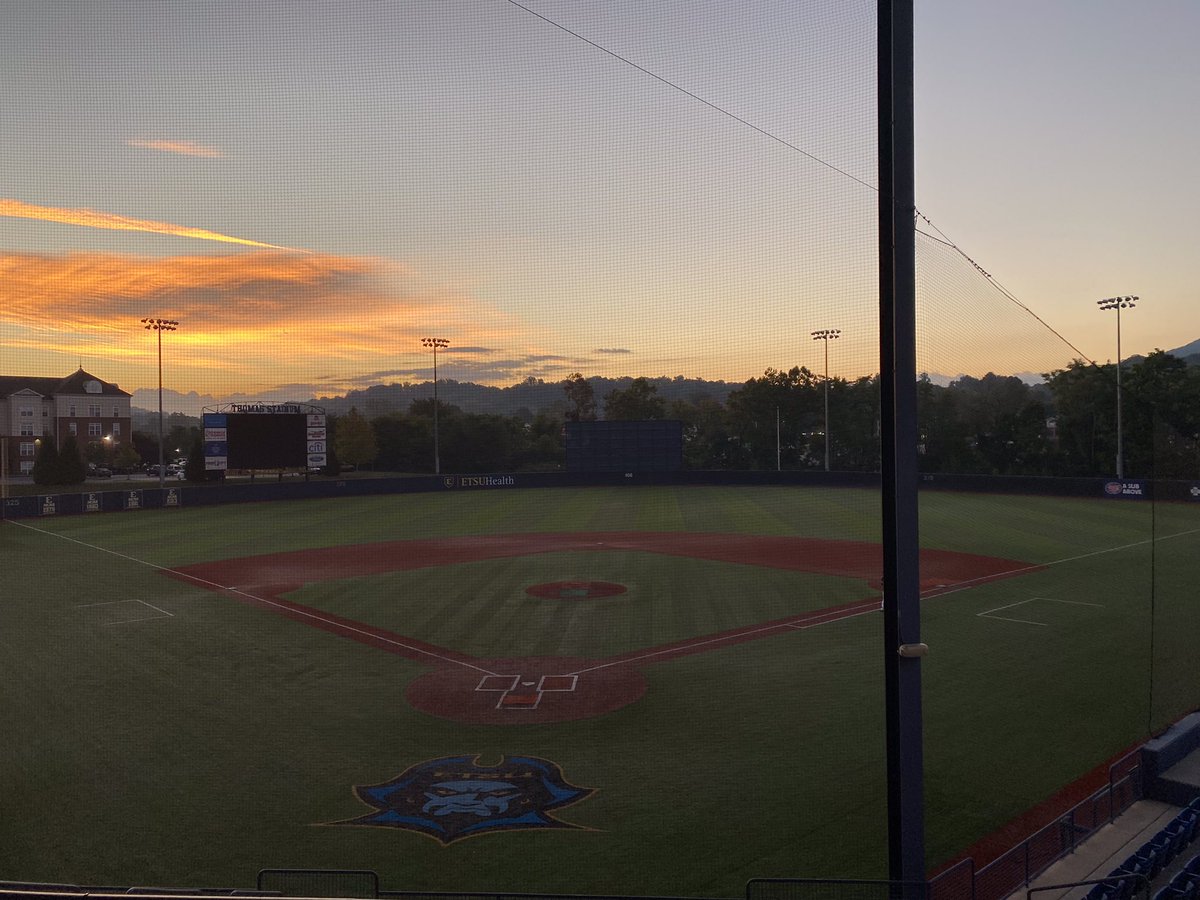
(970, 583)
(830, 616)
(292, 609)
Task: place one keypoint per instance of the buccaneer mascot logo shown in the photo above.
(454, 797)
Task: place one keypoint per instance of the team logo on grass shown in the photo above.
(455, 797)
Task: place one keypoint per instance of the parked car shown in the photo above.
(95, 471)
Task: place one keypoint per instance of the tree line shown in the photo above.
(1066, 425)
(996, 424)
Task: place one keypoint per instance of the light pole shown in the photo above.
(160, 325)
(1118, 303)
(826, 335)
(434, 344)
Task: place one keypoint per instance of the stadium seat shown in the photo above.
(1103, 891)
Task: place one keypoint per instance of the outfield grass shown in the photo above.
(161, 733)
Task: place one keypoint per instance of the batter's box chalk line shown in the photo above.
(158, 613)
(519, 692)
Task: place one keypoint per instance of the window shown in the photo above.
(116, 412)
(72, 428)
(94, 410)
(94, 429)
(26, 428)
(27, 448)
(26, 466)
(71, 409)
(26, 411)
(116, 429)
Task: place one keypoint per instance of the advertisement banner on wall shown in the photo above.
(1125, 489)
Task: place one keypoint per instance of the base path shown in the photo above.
(556, 689)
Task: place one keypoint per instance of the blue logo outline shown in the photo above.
(453, 798)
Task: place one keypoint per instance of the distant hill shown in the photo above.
(1187, 350)
(526, 399)
(1189, 353)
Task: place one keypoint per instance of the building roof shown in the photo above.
(75, 383)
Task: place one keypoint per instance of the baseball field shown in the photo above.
(639, 690)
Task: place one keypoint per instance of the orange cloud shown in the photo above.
(183, 148)
(90, 218)
(79, 289)
(247, 319)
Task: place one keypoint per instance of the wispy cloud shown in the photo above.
(242, 292)
(183, 148)
(91, 218)
(611, 350)
(248, 319)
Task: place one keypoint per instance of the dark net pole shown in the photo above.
(898, 427)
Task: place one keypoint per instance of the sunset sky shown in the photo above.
(310, 188)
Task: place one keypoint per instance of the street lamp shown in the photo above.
(1118, 303)
(826, 335)
(160, 325)
(434, 344)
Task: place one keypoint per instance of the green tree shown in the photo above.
(582, 398)
(1084, 402)
(780, 413)
(355, 439)
(405, 442)
(71, 468)
(45, 463)
(638, 402)
(854, 424)
(99, 453)
(543, 449)
(708, 438)
(195, 471)
(478, 442)
(125, 456)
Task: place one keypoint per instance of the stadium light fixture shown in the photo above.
(435, 344)
(826, 335)
(160, 325)
(1118, 303)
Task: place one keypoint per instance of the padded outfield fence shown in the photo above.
(186, 495)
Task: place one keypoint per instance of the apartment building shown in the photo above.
(80, 404)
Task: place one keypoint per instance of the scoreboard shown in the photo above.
(257, 436)
(624, 446)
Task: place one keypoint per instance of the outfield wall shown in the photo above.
(182, 494)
